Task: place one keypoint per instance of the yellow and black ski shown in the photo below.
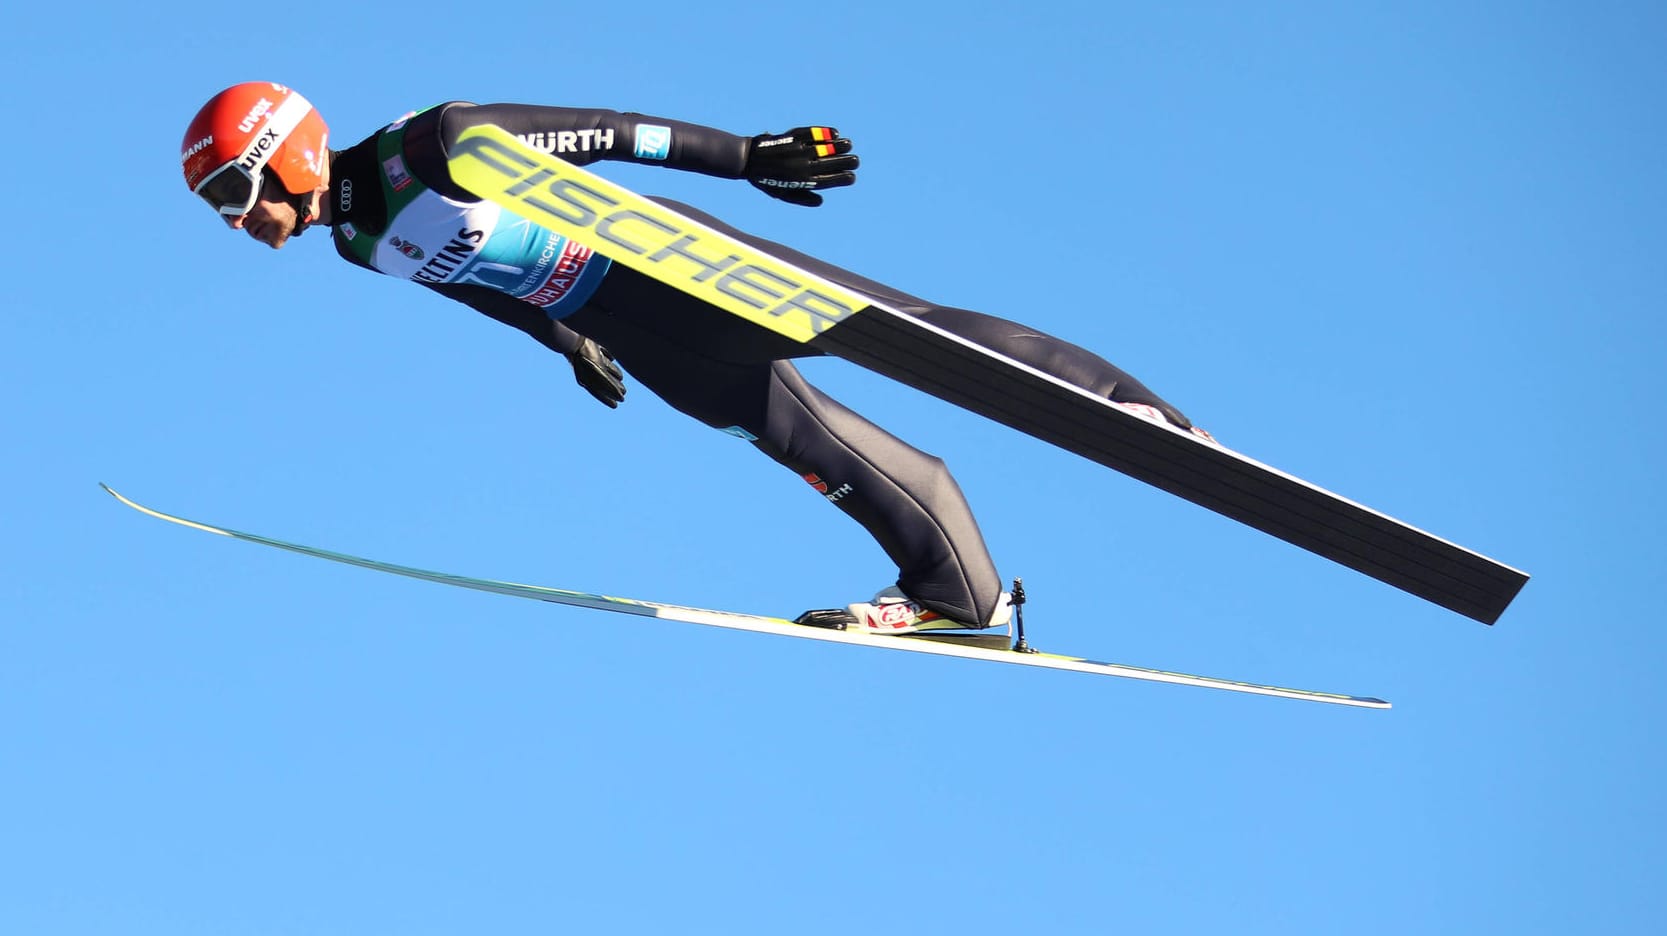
(750, 283)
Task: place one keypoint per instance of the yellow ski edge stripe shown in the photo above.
(648, 237)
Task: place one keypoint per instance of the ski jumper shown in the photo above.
(395, 210)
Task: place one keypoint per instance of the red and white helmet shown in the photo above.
(244, 131)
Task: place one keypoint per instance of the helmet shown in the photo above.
(242, 132)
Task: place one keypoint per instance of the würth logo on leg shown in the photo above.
(815, 481)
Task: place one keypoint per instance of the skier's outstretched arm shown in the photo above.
(793, 166)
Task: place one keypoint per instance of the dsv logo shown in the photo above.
(345, 200)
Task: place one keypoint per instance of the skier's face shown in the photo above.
(274, 217)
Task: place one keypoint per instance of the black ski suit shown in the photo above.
(726, 372)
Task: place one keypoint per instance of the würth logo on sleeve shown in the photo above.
(569, 141)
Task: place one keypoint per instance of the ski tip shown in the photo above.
(125, 500)
(119, 496)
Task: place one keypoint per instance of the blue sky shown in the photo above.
(1411, 252)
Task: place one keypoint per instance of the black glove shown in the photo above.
(597, 373)
(792, 165)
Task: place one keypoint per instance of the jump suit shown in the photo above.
(396, 211)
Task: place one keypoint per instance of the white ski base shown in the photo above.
(773, 625)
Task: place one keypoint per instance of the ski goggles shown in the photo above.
(231, 189)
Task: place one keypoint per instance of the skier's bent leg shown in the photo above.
(905, 498)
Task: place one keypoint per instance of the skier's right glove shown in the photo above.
(791, 166)
(596, 371)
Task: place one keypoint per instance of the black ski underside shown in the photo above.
(924, 357)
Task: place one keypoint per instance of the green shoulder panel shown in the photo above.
(399, 189)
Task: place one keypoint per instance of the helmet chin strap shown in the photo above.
(303, 212)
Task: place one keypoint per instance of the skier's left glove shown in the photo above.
(792, 166)
(597, 373)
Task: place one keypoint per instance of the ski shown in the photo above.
(748, 281)
(975, 646)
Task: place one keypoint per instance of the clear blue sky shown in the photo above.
(1412, 252)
